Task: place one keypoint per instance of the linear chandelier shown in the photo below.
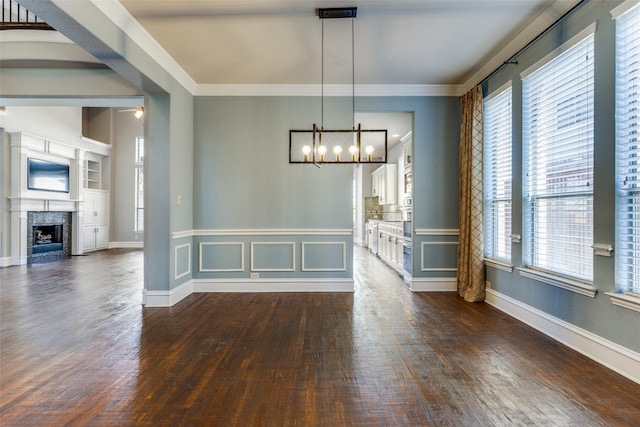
(338, 146)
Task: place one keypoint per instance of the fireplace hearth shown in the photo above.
(48, 236)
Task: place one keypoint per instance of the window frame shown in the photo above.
(547, 193)
(500, 126)
(139, 175)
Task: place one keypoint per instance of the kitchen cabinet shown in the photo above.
(390, 244)
(95, 220)
(384, 183)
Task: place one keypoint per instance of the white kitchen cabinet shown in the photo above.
(384, 184)
(390, 244)
(95, 220)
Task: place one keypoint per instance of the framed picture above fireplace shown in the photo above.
(45, 175)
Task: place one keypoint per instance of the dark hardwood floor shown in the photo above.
(77, 348)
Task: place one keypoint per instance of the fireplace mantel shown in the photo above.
(23, 200)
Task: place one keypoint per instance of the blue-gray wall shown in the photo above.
(243, 181)
(597, 315)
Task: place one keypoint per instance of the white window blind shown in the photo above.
(558, 157)
(628, 151)
(497, 175)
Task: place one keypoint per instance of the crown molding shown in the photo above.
(327, 90)
(545, 20)
(120, 16)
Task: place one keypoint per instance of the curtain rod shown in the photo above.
(513, 58)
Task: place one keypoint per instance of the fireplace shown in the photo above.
(48, 236)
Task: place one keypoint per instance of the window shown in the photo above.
(139, 173)
(628, 152)
(497, 175)
(558, 160)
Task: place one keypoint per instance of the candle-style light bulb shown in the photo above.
(369, 150)
(322, 150)
(306, 150)
(337, 150)
(353, 150)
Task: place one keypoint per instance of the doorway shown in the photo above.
(383, 193)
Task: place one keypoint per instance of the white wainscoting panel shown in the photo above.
(239, 266)
(292, 258)
(422, 256)
(341, 246)
(182, 248)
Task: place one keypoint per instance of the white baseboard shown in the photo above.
(125, 245)
(166, 298)
(433, 284)
(273, 285)
(172, 297)
(615, 357)
(5, 262)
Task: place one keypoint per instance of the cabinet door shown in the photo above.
(382, 186)
(375, 183)
(88, 208)
(102, 237)
(101, 206)
(88, 238)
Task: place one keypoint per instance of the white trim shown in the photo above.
(623, 8)
(293, 256)
(560, 50)
(431, 269)
(167, 298)
(273, 285)
(220, 270)
(327, 90)
(625, 301)
(547, 18)
(120, 16)
(614, 356)
(125, 245)
(175, 261)
(263, 232)
(433, 284)
(437, 232)
(344, 256)
(499, 264)
(6, 261)
(573, 285)
(507, 85)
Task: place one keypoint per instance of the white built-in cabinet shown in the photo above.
(384, 182)
(95, 223)
(391, 244)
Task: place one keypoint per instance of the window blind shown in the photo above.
(497, 175)
(558, 157)
(628, 151)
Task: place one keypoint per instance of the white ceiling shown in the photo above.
(397, 42)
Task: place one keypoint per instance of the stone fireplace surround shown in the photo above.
(47, 219)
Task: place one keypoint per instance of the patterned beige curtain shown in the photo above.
(470, 248)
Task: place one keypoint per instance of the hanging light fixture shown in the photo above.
(348, 146)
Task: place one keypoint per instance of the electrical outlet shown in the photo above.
(179, 199)
(487, 284)
(255, 275)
